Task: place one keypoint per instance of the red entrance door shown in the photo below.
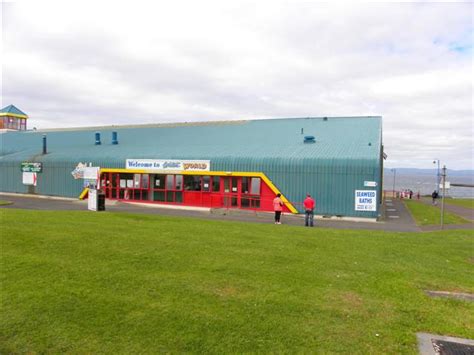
(231, 191)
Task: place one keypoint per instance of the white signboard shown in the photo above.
(174, 165)
(370, 183)
(365, 200)
(92, 200)
(90, 172)
(447, 185)
(82, 171)
(29, 179)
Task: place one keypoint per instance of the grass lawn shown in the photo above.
(463, 202)
(82, 282)
(3, 203)
(426, 215)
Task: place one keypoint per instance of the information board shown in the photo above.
(29, 178)
(31, 167)
(365, 200)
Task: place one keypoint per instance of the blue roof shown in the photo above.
(347, 151)
(335, 138)
(13, 109)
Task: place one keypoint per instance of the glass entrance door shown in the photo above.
(231, 191)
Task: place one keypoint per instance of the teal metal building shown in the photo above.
(239, 164)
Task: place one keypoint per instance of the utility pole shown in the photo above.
(394, 176)
(444, 193)
(438, 176)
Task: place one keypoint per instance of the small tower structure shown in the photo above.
(13, 118)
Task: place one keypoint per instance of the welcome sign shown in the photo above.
(168, 165)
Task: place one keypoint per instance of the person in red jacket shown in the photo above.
(309, 205)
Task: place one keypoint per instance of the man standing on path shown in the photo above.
(277, 207)
(309, 206)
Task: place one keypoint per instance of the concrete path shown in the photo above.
(396, 219)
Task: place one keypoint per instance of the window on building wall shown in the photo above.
(245, 185)
(235, 185)
(136, 180)
(216, 183)
(159, 187)
(250, 192)
(206, 183)
(179, 182)
(255, 187)
(192, 183)
(174, 186)
(169, 182)
(159, 181)
(145, 181)
(227, 185)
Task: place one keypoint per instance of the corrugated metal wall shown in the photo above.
(332, 183)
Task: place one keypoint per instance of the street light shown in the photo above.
(394, 176)
(442, 199)
(438, 177)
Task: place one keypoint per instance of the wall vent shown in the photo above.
(97, 138)
(114, 138)
(309, 139)
(45, 149)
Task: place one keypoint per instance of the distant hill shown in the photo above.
(429, 172)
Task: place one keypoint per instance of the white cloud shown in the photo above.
(86, 63)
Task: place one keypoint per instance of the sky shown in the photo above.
(90, 63)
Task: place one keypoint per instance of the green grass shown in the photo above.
(82, 282)
(463, 202)
(4, 203)
(426, 215)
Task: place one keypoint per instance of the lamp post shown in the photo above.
(394, 177)
(442, 198)
(438, 176)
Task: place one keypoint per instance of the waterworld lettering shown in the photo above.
(171, 165)
(195, 166)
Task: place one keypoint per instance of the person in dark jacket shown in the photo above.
(434, 196)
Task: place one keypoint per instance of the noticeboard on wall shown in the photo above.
(366, 200)
(29, 178)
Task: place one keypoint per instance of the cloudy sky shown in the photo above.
(89, 63)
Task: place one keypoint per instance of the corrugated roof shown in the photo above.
(14, 110)
(336, 138)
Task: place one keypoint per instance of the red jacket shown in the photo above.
(309, 203)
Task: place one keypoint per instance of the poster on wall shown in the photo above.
(365, 200)
(29, 178)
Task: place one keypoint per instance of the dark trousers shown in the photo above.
(277, 216)
(309, 218)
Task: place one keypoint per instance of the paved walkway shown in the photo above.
(397, 217)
